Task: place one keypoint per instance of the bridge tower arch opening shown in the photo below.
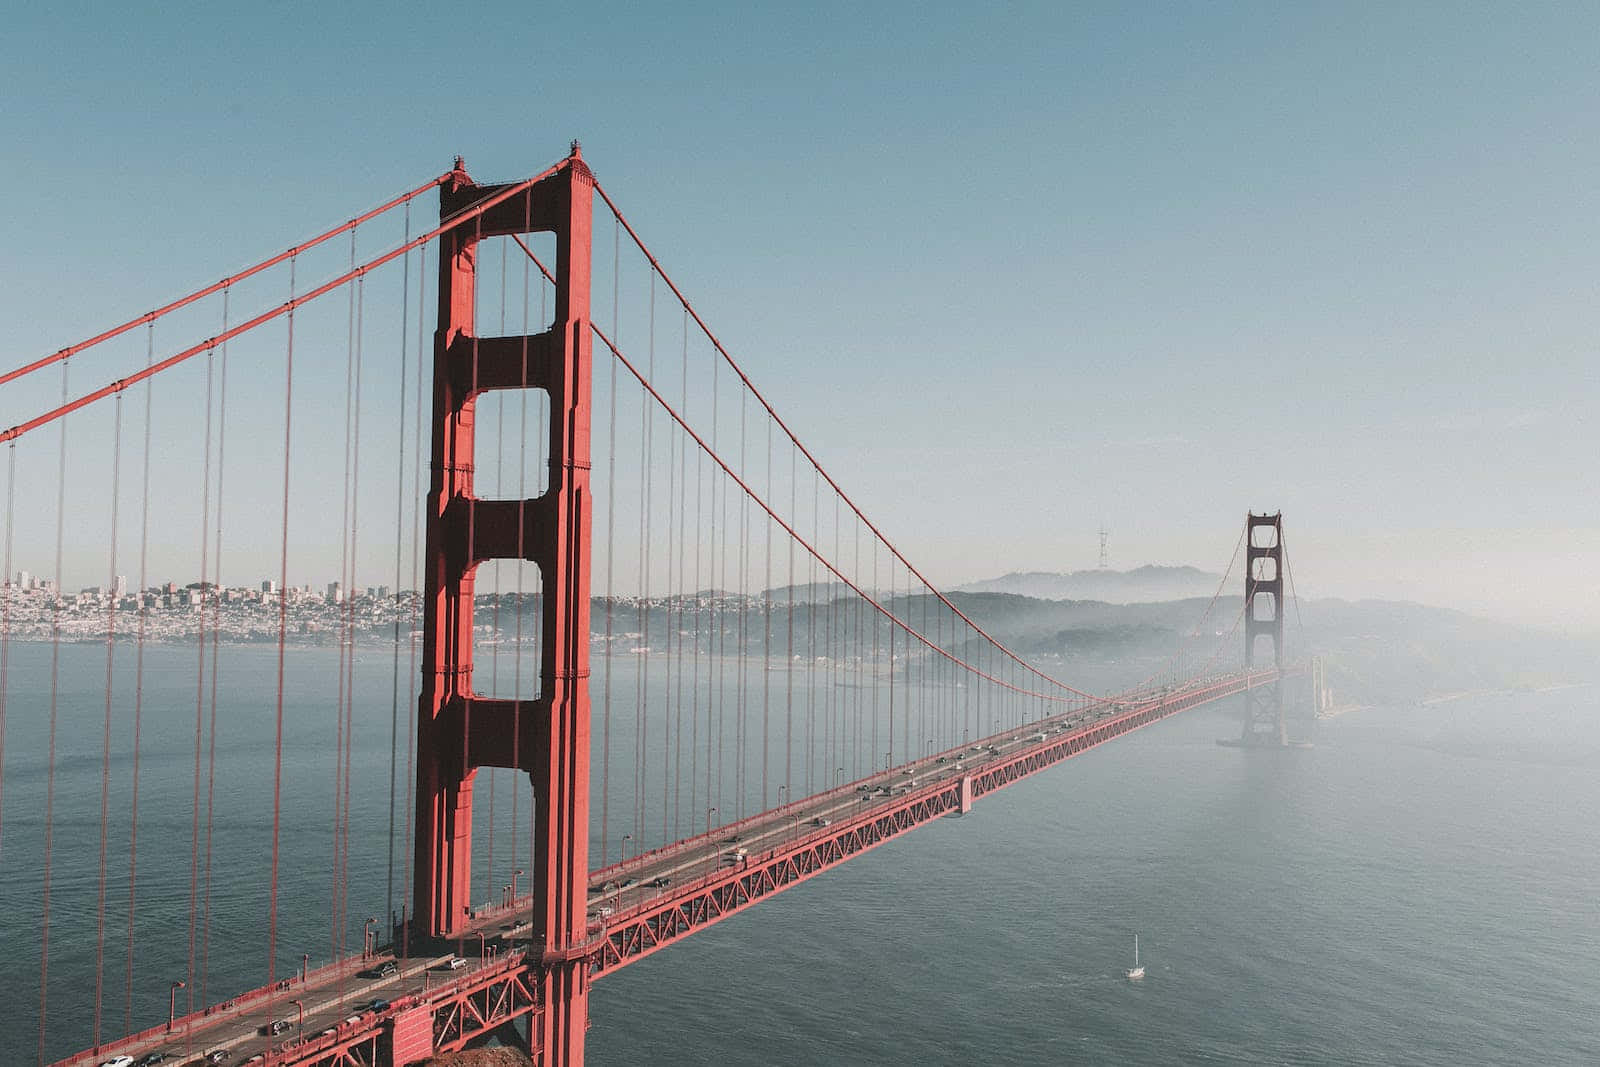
(459, 730)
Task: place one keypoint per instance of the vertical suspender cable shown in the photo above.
(415, 594)
(741, 693)
(283, 633)
(50, 773)
(138, 682)
(200, 691)
(694, 687)
(647, 486)
(788, 663)
(335, 927)
(399, 523)
(350, 630)
(666, 739)
(216, 654)
(811, 644)
(719, 584)
(640, 662)
(683, 508)
(9, 593)
(766, 641)
(105, 749)
(611, 601)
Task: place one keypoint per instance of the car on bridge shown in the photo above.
(386, 969)
(119, 1061)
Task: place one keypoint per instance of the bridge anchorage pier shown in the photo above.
(458, 730)
(1265, 722)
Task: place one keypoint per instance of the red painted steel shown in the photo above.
(459, 731)
(504, 193)
(1263, 585)
(546, 977)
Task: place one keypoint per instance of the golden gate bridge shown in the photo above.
(712, 677)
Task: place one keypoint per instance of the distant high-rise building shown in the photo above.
(335, 593)
(269, 586)
(24, 580)
(383, 592)
(121, 588)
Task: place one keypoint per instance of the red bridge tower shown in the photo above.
(1263, 617)
(458, 730)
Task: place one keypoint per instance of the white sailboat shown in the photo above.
(1136, 971)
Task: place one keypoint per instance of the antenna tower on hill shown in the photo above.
(1103, 558)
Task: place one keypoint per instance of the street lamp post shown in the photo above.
(483, 952)
(710, 812)
(305, 967)
(300, 1022)
(369, 944)
(172, 1004)
(838, 776)
(625, 839)
(781, 790)
(518, 873)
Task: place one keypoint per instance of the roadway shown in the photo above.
(337, 1000)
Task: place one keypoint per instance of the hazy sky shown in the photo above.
(1013, 271)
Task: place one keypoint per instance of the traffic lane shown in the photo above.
(242, 1035)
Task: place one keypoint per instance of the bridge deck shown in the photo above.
(643, 904)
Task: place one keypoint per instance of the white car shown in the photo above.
(119, 1061)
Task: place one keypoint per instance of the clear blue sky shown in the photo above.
(1019, 268)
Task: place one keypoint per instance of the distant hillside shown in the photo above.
(1375, 650)
(1142, 585)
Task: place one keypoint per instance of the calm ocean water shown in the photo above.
(1422, 887)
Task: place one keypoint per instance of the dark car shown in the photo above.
(386, 969)
(150, 1059)
(377, 1005)
(276, 1027)
(660, 882)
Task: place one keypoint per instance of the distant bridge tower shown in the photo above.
(459, 730)
(1263, 618)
